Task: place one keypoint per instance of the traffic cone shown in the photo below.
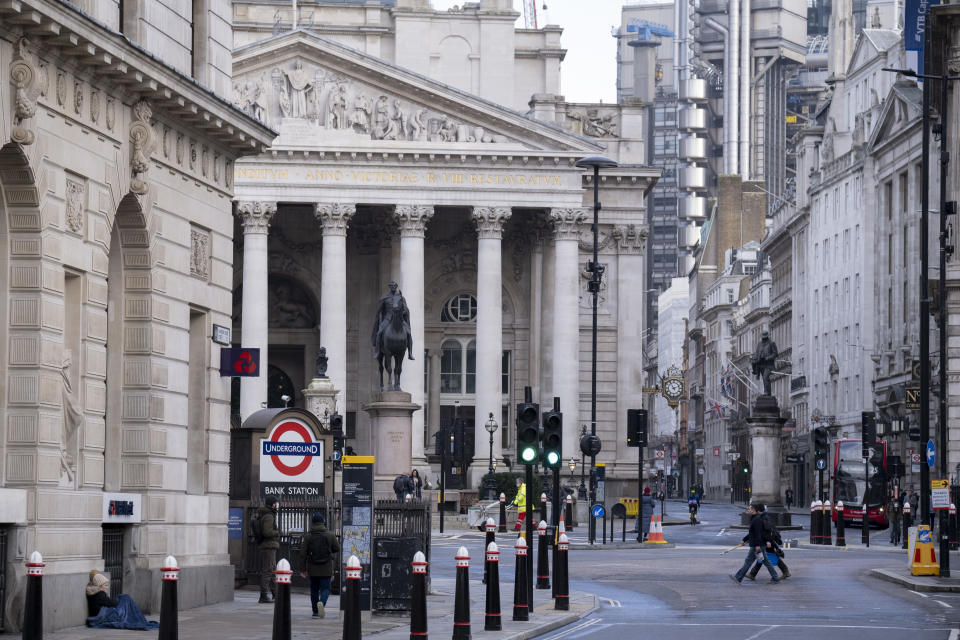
(656, 531)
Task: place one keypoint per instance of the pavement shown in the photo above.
(244, 618)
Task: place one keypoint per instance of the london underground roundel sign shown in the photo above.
(289, 455)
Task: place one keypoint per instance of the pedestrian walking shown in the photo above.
(267, 544)
(789, 496)
(317, 553)
(520, 502)
(644, 514)
(757, 546)
(417, 485)
(773, 544)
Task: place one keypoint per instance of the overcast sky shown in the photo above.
(589, 72)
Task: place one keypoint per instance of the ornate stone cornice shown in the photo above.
(255, 215)
(566, 222)
(334, 218)
(631, 239)
(490, 220)
(412, 219)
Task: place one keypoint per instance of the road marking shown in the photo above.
(721, 532)
(761, 632)
(922, 595)
(954, 634)
(944, 604)
(612, 603)
(574, 629)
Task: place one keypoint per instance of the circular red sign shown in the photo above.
(300, 430)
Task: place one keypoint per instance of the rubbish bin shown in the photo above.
(391, 572)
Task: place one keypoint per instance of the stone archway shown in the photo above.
(131, 344)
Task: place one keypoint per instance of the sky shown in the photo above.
(589, 72)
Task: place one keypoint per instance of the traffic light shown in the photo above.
(821, 442)
(528, 432)
(868, 430)
(745, 466)
(914, 434)
(552, 439)
(636, 427)
(336, 428)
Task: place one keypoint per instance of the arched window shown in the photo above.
(460, 308)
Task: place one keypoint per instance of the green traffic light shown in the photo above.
(553, 458)
(528, 455)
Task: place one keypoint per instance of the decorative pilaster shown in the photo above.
(23, 75)
(334, 219)
(566, 318)
(255, 218)
(489, 221)
(412, 221)
(630, 241)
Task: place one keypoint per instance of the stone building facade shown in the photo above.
(116, 175)
(387, 168)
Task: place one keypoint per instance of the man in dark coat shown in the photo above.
(757, 546)
(771, 546)
(318, 552)
(267, 548)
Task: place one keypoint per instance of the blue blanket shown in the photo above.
(126, 615)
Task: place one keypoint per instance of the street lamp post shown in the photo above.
(945, 249)
(491, 426)
(573, 467)
(582, 489)
(596, 270)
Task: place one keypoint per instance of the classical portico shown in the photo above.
(476, 211)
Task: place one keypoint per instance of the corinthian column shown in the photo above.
(489, 399)
(566, 319)
(412, 221)
(255, 219)
(334, 219)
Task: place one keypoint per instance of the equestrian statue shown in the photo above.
(391, 336)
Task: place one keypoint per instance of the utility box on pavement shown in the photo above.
(391, 572)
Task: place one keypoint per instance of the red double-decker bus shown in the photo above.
(849, 482)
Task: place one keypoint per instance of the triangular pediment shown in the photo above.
(900, 111)
(871, 43)
(320, 93)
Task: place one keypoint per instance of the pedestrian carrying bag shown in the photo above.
(318, 549)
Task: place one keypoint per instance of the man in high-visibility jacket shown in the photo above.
(520, 501)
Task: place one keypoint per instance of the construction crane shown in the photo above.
(645, 30)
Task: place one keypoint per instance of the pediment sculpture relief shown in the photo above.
(590, 122)
(333, 101)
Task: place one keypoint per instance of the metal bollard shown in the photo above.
(281, 606)
(170, 573)
(33, 607)
(461, 602)
(351, 610)
(815, 522)
(418, 598)
(491, 620)
(569, 514)
(562, 600)
(543, 506)
(952, 527)
(841, 538)
(520, 605)
(827, 524)
(491, 528)
(503, 513)
(906, 525)
(543, 562)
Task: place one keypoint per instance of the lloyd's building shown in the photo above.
(434, 149)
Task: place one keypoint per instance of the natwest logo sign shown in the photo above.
(291, 461)
(239, 362)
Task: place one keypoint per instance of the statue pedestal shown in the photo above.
(320, 398)
(391, 426)
(765, 424)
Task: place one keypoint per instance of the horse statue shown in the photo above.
(391, 346)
